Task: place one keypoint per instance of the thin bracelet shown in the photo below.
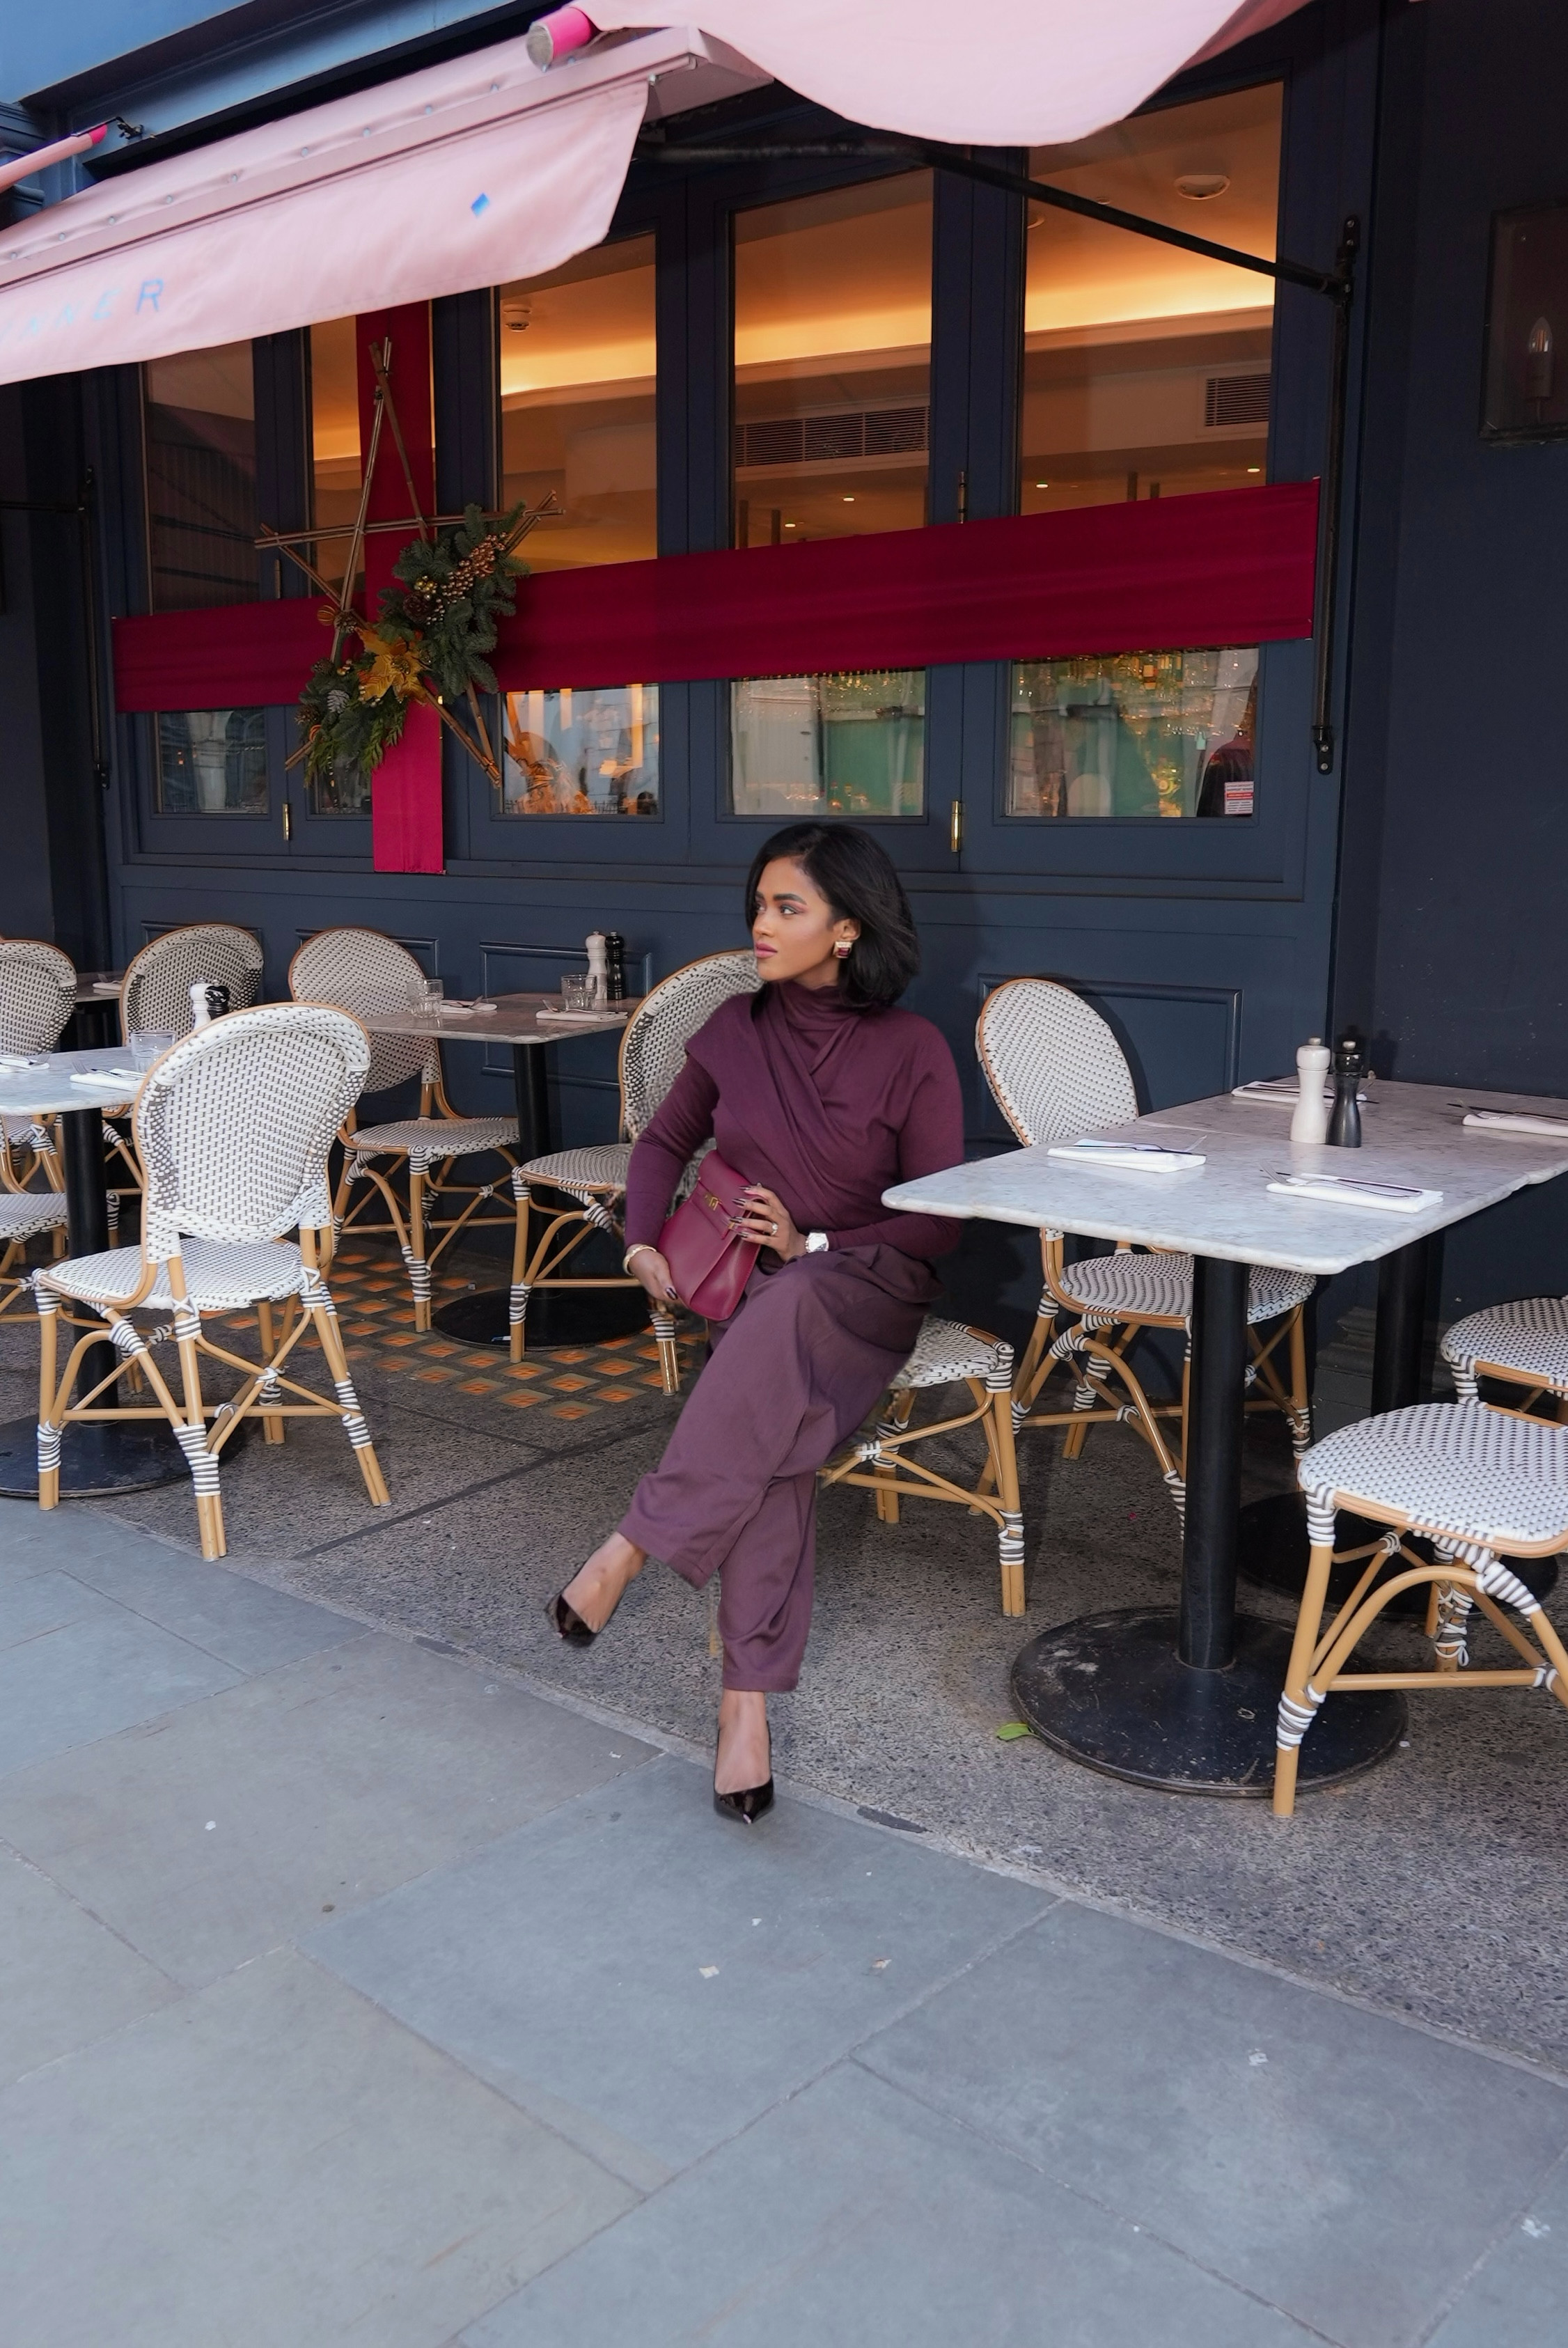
(644, 1247)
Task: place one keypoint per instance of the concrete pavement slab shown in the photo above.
(92, 1677)
(64, 1979)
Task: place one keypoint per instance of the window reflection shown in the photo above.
(345, 791)
(1146, 369)
(199, 422)
(1134, 733)
(592, 751)
(212, 762)
(577, 370)
(853, 745)
(336, 475)
(832, 363)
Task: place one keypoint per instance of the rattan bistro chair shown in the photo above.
(1521, 1344)
(367, 972)
(37, 995)
(947, 1354)
(154, 992)
(233, 1127)
(1056, 1071)
(1482, 1486)
(594, 1180)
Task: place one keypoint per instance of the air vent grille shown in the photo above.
(1237, 399)
(824, 439)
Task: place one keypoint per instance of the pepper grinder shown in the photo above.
(616, 966)
(1309, 1120)
(1345, 1124)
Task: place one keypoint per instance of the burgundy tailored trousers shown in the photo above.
(791, 1377)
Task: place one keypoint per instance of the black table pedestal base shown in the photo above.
(1109, 1690)
(556, 1316)
(96, 1459)
(1274, 1547)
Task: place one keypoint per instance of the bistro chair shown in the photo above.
(1522, 1344)
(948, 1353)
(37, 996)
(1057, 1071)
(1482, 1486)
(231, 1126)
(154, 992)
(366, 972)
(652, 1054)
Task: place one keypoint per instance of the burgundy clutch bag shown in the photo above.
(709, 1261)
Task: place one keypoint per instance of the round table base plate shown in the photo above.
(1109, 1690)
(96, 1461)
(1274, 1553)
(556, 1316)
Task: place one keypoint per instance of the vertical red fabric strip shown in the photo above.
(406, 796)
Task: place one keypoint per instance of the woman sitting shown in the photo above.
(822, 1094)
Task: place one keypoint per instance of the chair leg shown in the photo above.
(517, 1310)
(1010, 1532)
(1300, 1398)
(191, 1437)
(49, 1427)
(419, 1268)
(669, 1353)
(272, 1424)
(324, 1316)
(1298, 1705)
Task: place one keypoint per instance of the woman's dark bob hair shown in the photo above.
(856, 875)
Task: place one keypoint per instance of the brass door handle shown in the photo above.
(955, 827)
(288, 823)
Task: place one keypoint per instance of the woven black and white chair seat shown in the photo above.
(27, 1217)
(219, 1278)
(436, 1137)
(583, 1172)
(1528, 1337)
(1469, 1476)
(1159, 1287)
(945, 1351)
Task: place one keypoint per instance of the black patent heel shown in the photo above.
(746, 1806)
(567, 1624)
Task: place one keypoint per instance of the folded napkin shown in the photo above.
(1142, 1157)
(1278, 1088)
(610, 1011)
(1345, 1190)
(1507, 1121)
(23, 1059)
(101, 1076)
(106, 986)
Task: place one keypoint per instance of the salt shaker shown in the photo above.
(598, 971)
(1309, 1120)
(1345, 1124)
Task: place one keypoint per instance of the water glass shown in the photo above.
(146, 1048)
(574, 995)
(433, 995)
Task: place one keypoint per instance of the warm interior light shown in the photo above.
(1202, 187)
(1042, 485)
(1254, 469)
(788, 525)
(848, 501)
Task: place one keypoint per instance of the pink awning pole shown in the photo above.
(22, 167)
(556, 35)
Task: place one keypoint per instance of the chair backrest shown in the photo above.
(366, 972)
(1054, 1067)
(37, 995)
(155, 993)
(653, 1049)
(234, 1123)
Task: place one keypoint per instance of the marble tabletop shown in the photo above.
(47, 1091)
(99, 985)
(515, 1020)
(1411, 1134)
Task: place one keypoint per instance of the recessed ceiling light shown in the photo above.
(1254, 469)
(1042, 485)
(848, 501)
(788, 525)
(1202, 187)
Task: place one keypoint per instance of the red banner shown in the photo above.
(1232, 567)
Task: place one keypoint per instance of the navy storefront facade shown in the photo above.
(1411, 889)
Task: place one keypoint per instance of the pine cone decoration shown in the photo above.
(471, 569)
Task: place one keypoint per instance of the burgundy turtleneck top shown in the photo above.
(827, 1105)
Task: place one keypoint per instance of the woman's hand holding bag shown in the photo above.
(709, 1258)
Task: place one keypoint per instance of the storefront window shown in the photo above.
(1134, 733)
(825, 745)
(345, 791)
(199, 419)
(577, 369)
(592, 751)
(335, 476)
(832, 363)
(1146, 369)
(212, 762)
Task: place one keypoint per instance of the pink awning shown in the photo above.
(997, 73)
(463, 176)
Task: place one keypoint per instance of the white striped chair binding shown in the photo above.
(232, 1127)
(1057, 1071)
(366, 972)
(1523, 1343)
(652, 1054)
(1482, 1486)
(37, 995)
(947, 1354)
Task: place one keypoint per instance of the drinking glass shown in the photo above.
(434, 993)
(574, 995)
(148, 1047)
